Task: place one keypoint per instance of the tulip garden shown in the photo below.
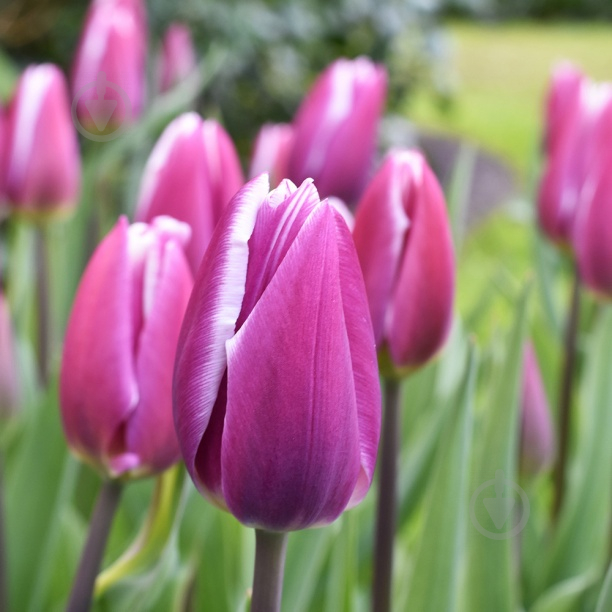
(252, 371)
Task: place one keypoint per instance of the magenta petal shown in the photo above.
(150, 431)
(210, 320)
(379, 234)
(98, 387)
(422, 307)
(290, 453)
(271, 151)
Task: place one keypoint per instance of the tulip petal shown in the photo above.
(290, 450)
(150, 431)
(363, 356)
(211, 318)
(98, 385)
(421, 310)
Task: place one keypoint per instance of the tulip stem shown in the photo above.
(565, 396)
(270, 550)
(91, 557)
(3, 566)
(387, 500)
(42, 284)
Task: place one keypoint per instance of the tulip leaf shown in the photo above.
(459, 191)
(581, 540)
(434, 583)
(490, 581)
(565, 596)
(604, 602)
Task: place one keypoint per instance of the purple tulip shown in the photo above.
(537, 443)
(177, 59)
(191, 175)
(336, 128)
(276, 392)
(10, 395)
(271, 152)
(43, 168)
(116, 376)
(109, 70)
(405, 249)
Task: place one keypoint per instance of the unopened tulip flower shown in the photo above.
(177, 58)
(271, 152)
(276, 393)
(191, 175)
(405, 248)
(537, 444)
(116, 376)
(43, 169)
(9, 381)
(109, 69)
(336, 128)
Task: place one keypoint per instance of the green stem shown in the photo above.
(387, 500)
(4, 599)
(91, 558)
(565, 397)
(43, 310)
(270, 550)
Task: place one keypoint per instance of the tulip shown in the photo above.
(336, 128)
(405, 249)
(537, 445)
(109, 69)
(9, 388)
(43, 166)
(3, 147)
(271, 152)
(191, 175)
(116, 375)
(177, 59)
(276, 392)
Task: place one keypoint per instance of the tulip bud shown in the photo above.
(336, 128)
(405, 249)
(276, 392)
(537, 445)
(43, 165)
(10, 395)
(109, 70)
(191, 175)
(116, 375)
(271, 152)
(177, 59)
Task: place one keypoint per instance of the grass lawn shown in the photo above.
(501, 73)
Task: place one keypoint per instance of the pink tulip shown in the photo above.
(336, 128)
(109, 70)
(271, 152)
(191, 175)
(3, 151)
(43, 168)
(276, 392)
(10, 395)
(405, 249)
(116, 376)
(537, 443)
(177, 59)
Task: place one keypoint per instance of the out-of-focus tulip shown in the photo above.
(271, 152)
(276, 392)
(43, 168)
(109, 70)
(191, 175)
(571, 160)
(3, 151)
(405, 249)
(537, 443)
(177, 58)
(9, 381)
(116, 376)
(336, 128)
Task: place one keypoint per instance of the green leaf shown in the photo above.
(434, 583)
(581, 541)
(490, 581)
(565, 596)
(459, 191)
(604, 603)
